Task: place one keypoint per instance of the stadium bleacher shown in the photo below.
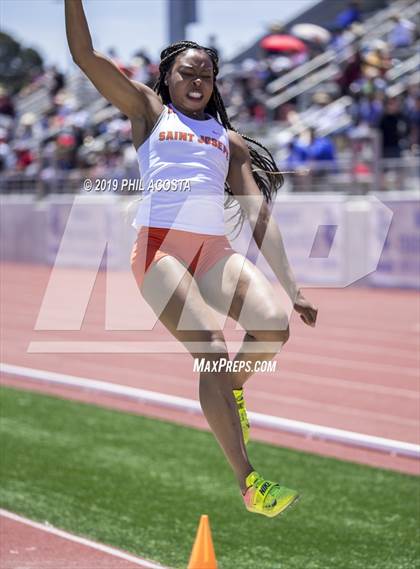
(332, 94)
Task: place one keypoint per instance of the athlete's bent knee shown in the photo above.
(212, 346)
(216, 339)
(276, 329)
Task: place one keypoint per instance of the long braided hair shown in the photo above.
(264, 169)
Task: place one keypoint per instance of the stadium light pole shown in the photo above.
(180, 14)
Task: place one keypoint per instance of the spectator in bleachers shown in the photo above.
(320, 148)
(141, 67)
(25, 157)
(377, 61)
(413, 118)
(352, 72)
(402, 34)
(66, 151)
(6, 103)
(295, 161)
(321, 102)
(7, 158)
(253, 97)
(56, 81)
(315, 151)
(348, 16)
(368, 108)
(297, 155)
(393, 128)
(140, 70)
(409, 102)
(28, 128)
(337, 41)
(112, 53)
(321, 160)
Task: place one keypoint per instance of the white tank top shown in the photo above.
(183, 165)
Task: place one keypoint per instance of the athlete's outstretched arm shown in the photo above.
(134, 99)
(265, 229)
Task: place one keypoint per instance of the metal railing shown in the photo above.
(407, 66)
(357, 173)
(357, 177)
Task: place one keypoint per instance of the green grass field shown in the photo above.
(142, 484)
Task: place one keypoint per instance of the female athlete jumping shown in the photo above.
(191, 159)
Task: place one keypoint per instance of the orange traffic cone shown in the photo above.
(202, 554)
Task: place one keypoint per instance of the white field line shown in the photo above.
(336, 382)
(189, 405)
(107, 347)
(363, 334)
(286, 376)
(355, 347)
(325, 341)
(170, 347)
(337, 409)
(358, 336)
(351, 363)
(381, 326)
(146, 564)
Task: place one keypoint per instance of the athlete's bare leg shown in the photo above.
(236, 287)
(175, 298)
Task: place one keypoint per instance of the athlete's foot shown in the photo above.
(265, 497)
(243, 416)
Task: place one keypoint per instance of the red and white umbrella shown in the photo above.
(311, 32)
(282, 42)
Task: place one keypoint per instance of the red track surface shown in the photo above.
(26, 547)
(357, 370)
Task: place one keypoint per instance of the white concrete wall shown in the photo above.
(331, 240)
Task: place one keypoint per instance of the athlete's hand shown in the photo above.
(307, 311)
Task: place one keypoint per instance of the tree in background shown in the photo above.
(18, 64)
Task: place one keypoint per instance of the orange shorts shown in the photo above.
(198, 251)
